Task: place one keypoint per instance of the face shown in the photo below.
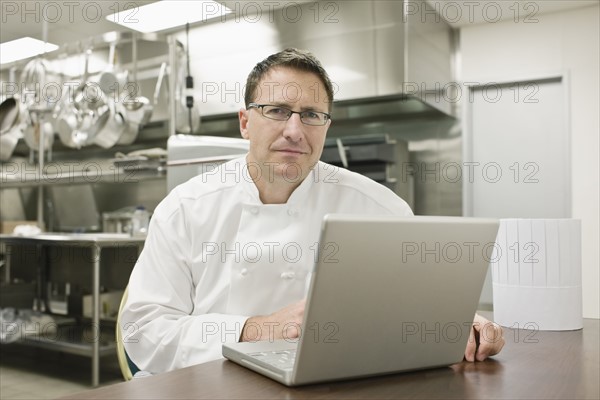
(285, 150)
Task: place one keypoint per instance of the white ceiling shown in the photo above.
(87, 19)
(70, 23)
(460, 13)
(66, 24)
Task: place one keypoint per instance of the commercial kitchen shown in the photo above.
(474, 111)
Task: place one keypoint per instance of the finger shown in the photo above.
(488, 350)
(486, 341)
(291, 331)
(490, 341)
(471, 346)
(483, 351)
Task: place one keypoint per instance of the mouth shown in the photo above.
(290, 151)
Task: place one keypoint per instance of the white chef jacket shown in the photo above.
(215, 256)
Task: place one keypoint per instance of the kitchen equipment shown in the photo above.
(109, 304)
(139, 109)
(67, 218)
(58, 297)
(161, 76)
(146, 159)
(183, 119)
(108, 81)
(12, 123)
(11, 207)
(140, 222)
(118, 221)
(187, 116)
(36, 126)
(10, 111)
(34, 78)
(89, 97)
(70, 119)
(55, 95)
(132, 126)
(8, 142)
(112, 125)
(95, 90)
(191, 155)
(76, 119)
(130, 133)
(72, 127)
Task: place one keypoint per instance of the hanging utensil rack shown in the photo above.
(148, 67)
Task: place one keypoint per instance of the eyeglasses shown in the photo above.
(313, 118)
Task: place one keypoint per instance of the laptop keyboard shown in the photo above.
(283, 359)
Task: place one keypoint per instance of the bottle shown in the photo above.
(140, 221)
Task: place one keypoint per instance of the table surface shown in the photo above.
(99, 238)
(533, 364)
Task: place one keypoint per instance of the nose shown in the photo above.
(294, 129)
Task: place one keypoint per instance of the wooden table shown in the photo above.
(541, 365)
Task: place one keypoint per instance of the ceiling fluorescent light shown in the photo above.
(23, 48)
(167, 14)
(342, 74)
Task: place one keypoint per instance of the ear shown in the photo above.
(243, 116)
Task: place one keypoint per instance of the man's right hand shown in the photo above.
(282, 324)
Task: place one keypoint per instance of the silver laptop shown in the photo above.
(387, 294)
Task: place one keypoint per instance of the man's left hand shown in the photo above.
(485, 339)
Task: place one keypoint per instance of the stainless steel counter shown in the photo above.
(96, 242)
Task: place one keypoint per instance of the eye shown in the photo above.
(276, 111)
(311, 115)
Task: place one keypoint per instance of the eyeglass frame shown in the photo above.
(261, 106)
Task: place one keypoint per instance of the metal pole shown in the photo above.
(7, 260)
(40, 303)
(173, 68)
(96, 315)
(39, 133)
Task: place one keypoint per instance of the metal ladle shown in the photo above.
(108, 81)
(139, 109)
(132, 127)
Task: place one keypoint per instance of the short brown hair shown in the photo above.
(293, 58)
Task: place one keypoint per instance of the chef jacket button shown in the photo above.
(288, 275)
(254, 210)
(292, 212)
(244, 271)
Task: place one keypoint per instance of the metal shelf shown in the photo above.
(82, 339)
(82, 347)
(97, 42)
(71, 336)
(115, 175)
(40, 178)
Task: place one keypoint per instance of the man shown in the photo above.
(232, 249)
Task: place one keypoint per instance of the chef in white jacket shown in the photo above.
(228, 253)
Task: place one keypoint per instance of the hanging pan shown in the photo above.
(76, 120)
(11, 126)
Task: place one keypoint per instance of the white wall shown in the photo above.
(564, 42)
